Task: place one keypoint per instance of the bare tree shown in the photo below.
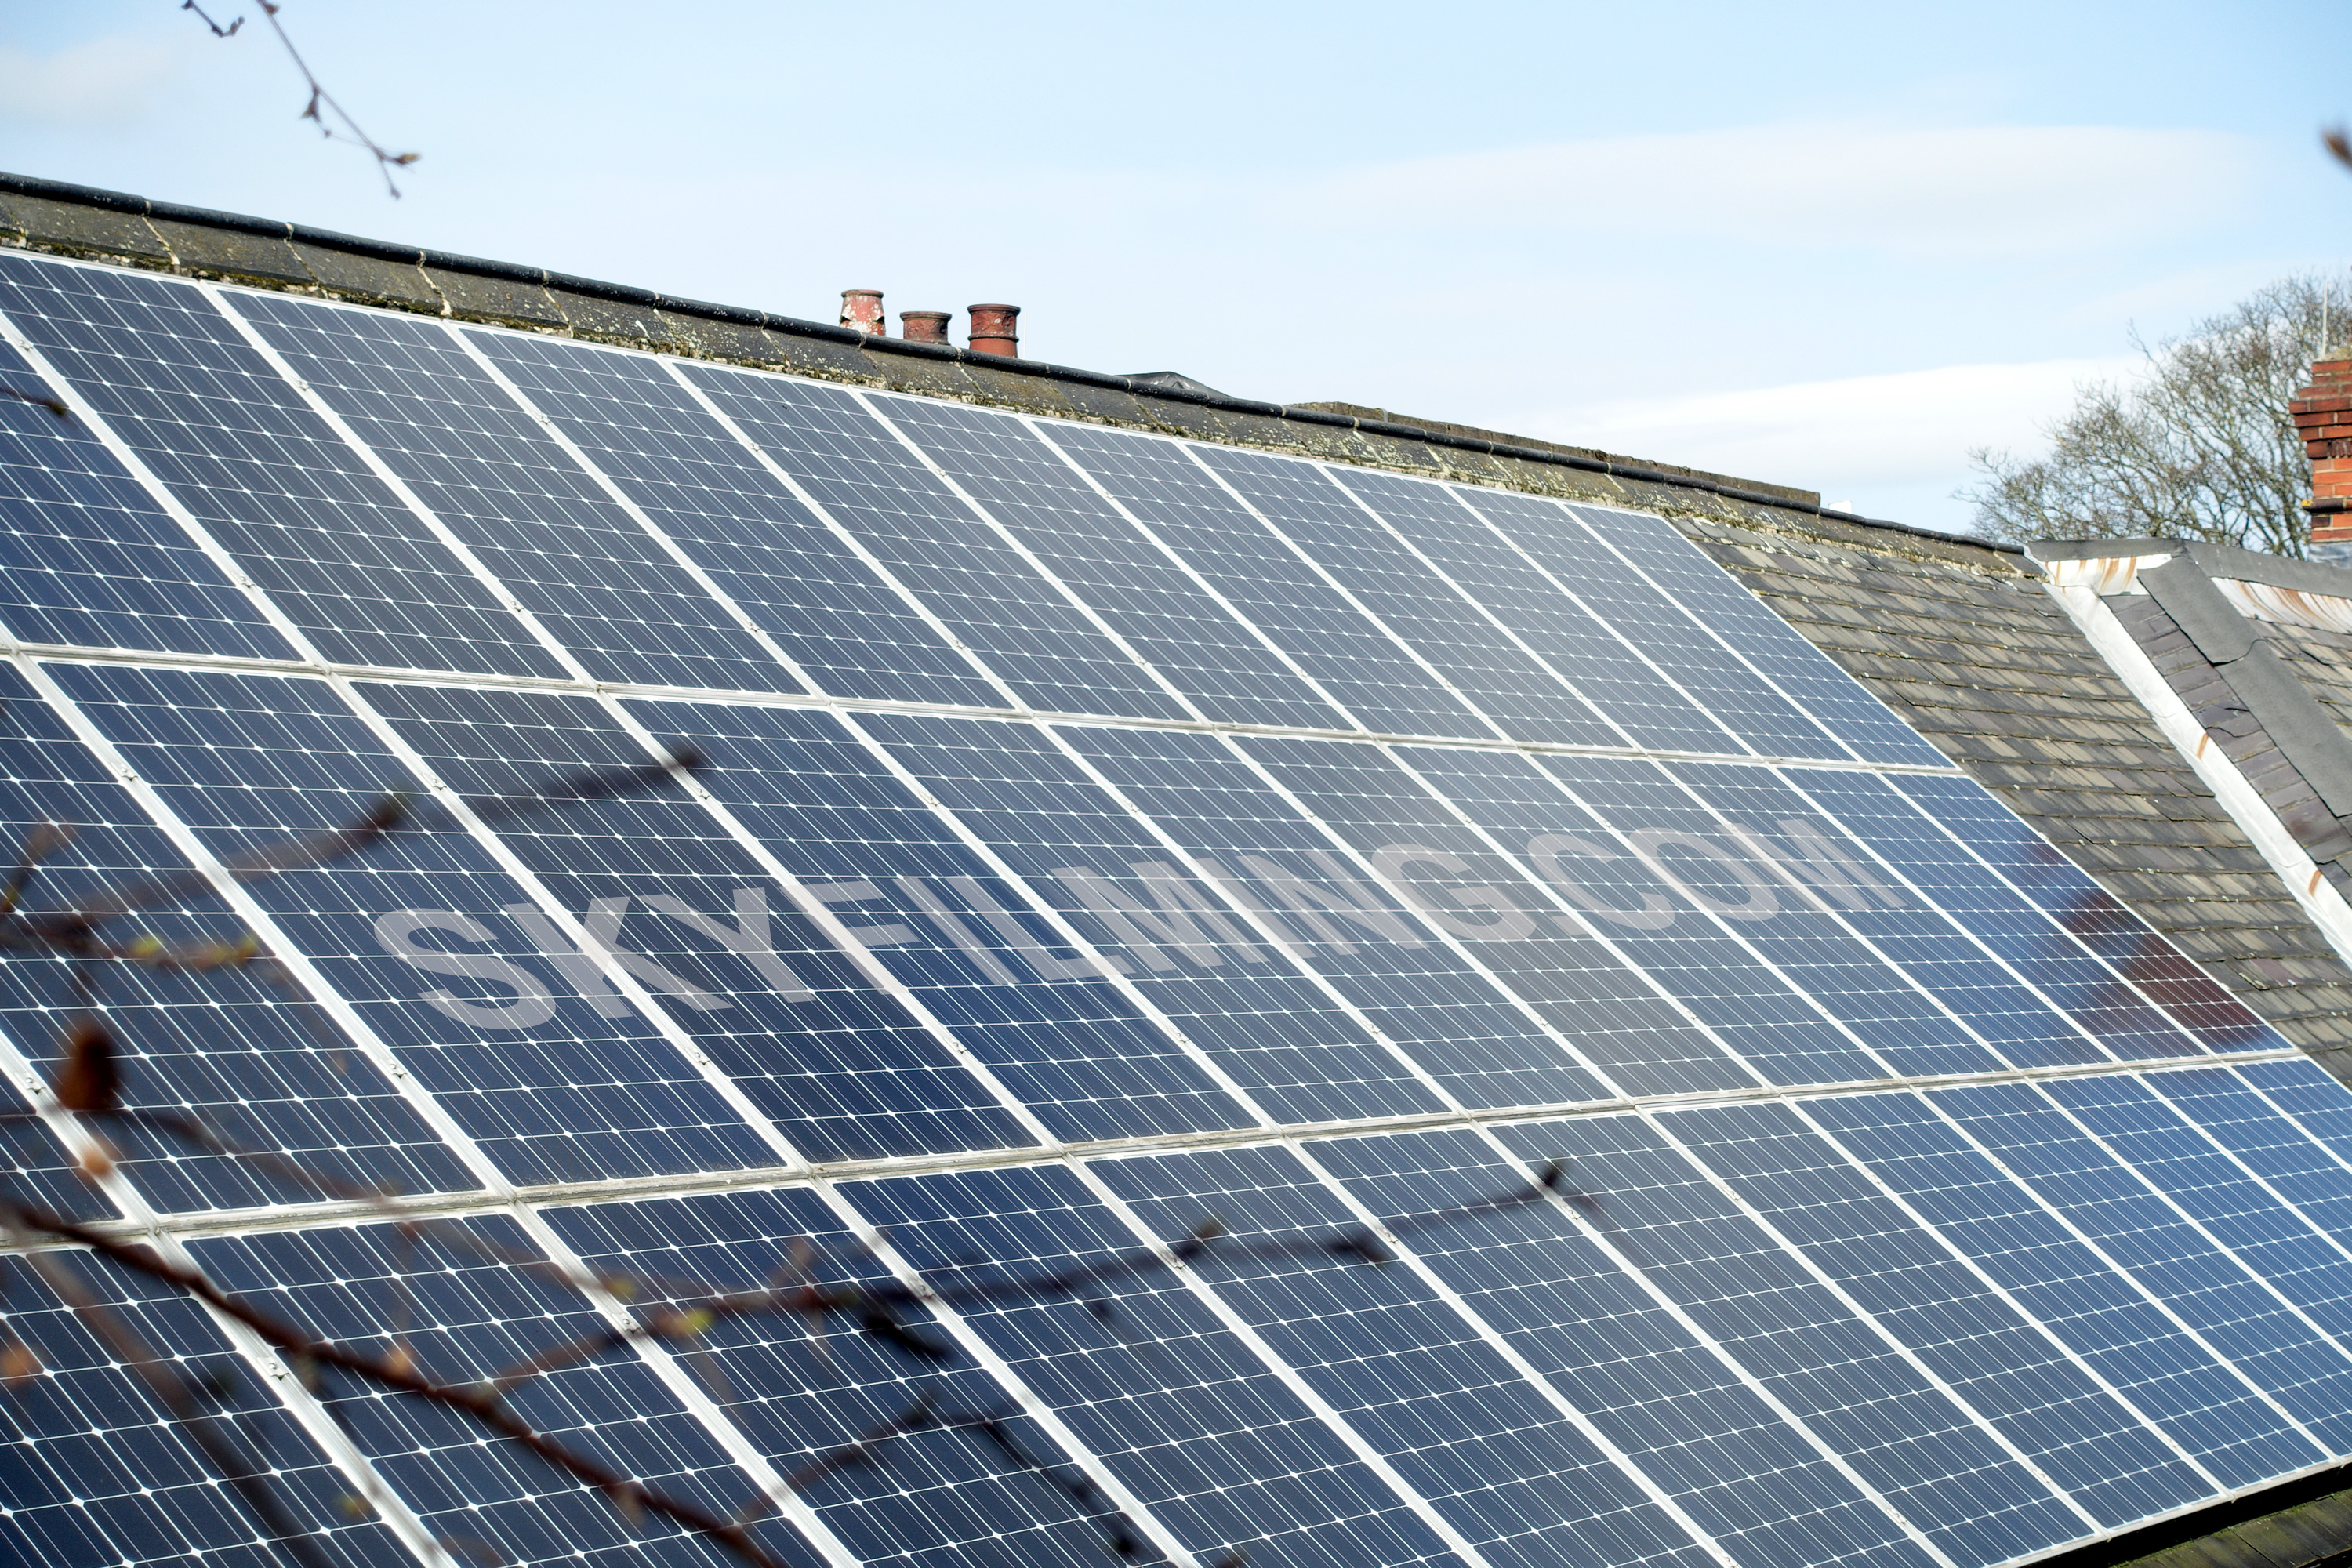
(2199, 446)
(821, 1287)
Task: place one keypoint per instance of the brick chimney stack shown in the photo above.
(2322, 417)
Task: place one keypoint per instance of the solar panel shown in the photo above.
(1093, 833)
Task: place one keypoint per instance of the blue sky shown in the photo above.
(1829, 245)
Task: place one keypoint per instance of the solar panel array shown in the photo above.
(1100, 830)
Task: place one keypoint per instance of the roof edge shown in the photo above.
(273, 253)
(2298, 1523)
(2214, 560)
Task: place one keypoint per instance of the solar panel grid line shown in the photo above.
(1659, 866)
(1887, 867)
(1562, 908)
(1367, 1453)
(1255, 916)
(2330, 1237)
(270, 1366)
(574, 930)
(2137, 1286)
(829, 920)
(1511, 1355)
(1466, 497)
(848, 536)
(168, 502)
(248, 908)
(1331, 581)
(141, 1220)
(1661, 1123)
(205, 1222)
(1112, 969)
(2260, 1280)
(621, 497)
(2120, 977)
(1483, 611)
(1977, 1270)
(1435, 930)
(972, 1343)
(1044, 432)
(385, 475)
(2270, 1097)
(1788, 876)
(687, 1389)
(879, 408)
(1612, 1247)
(1713, 632)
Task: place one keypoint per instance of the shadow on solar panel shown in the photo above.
(468, 1327)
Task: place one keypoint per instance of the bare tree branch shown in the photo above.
(321, 108)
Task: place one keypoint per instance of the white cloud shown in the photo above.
(103, 79)
(1857, 432)
(1971, 191)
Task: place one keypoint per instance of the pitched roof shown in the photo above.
(2191, 819)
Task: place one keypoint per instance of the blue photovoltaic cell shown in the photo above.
(1659, 1393)
(1183, 946)
(1920, 1451)
(242, 1056)
(1352, 663)
(933, 1496)
(1672, 833)
(1479, 659)
(1172, 624)
(1685, 653)
(1045, 1019)
(1811, 853)
(352, 568)
(417, 934)
(1180, 1407)
(1989, 1354)
(842, 1068)
(2308, 1374)
(1571, 1306)
(1773, 1034)
(590, 572)
(86, 555)
(464, 1299)
(1359, 663)
(94, 1468)
(1023, 629)
(2292, 1254)
(2151, 1358)
(1794, 668)
(1613, 1016)
(1052, 1027)
(1172, 501)
(1449, 525)
(2047, 954)
(1419, 1384)
(2279, 1150)
(850, 633)
(2091, 914)
(1415, 990)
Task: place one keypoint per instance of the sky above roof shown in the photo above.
(1821, 244)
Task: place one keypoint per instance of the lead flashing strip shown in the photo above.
(2320, 901)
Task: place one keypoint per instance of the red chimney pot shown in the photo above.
(994, 329)
(861, 311)
(924, 326)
